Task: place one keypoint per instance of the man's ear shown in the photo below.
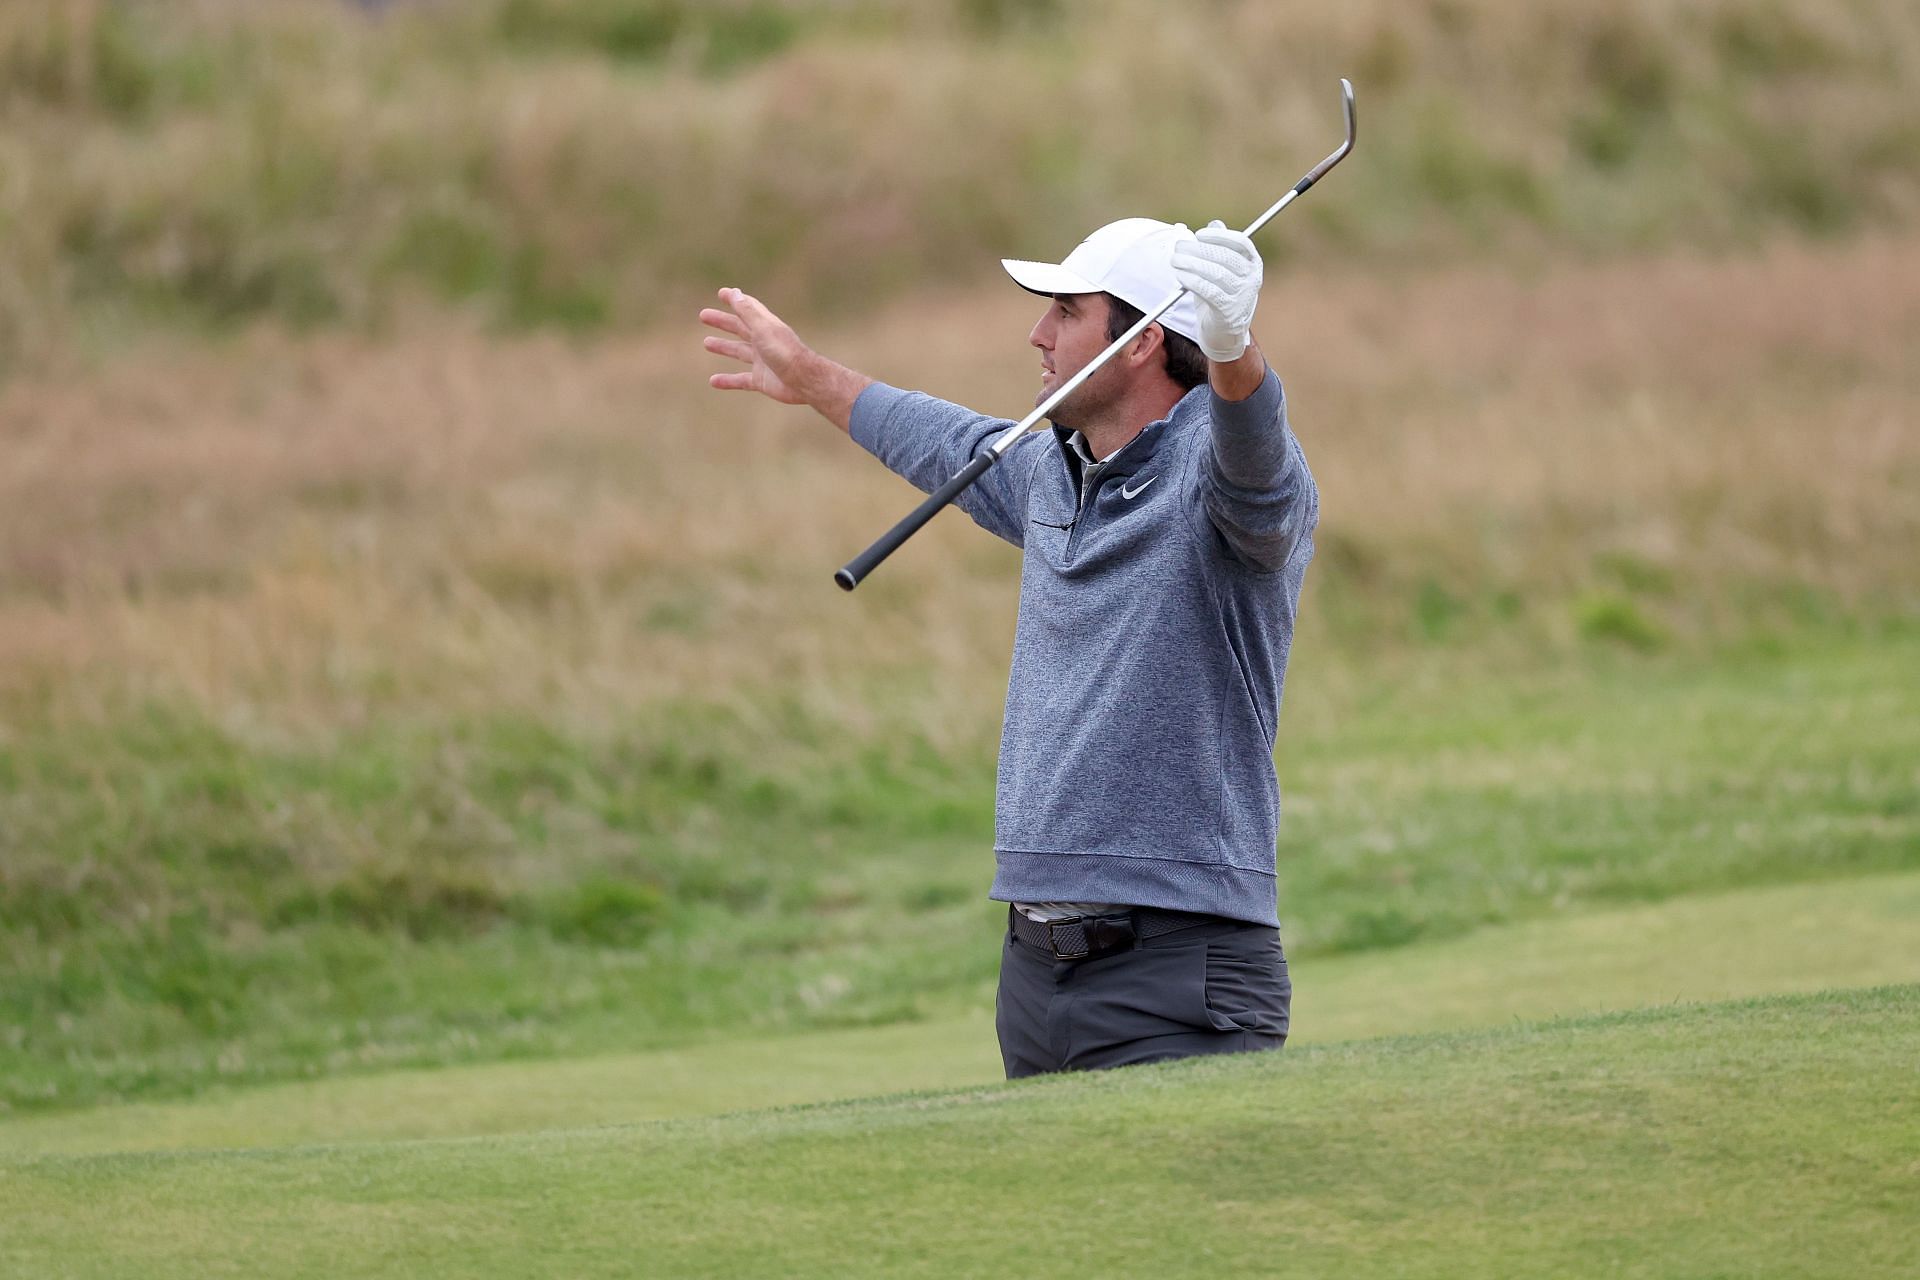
(1145, 347)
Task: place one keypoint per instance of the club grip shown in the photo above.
(887, 543)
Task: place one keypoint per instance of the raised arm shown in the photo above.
(1254, 483)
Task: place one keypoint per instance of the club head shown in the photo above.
(1319, 171)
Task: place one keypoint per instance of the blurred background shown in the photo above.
(406, 659)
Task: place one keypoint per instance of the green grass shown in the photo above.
(1772, 1137)
(1751, 942)
(1437, 811)
(184, 911)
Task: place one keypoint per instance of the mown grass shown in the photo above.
(1770, 1136)
(579, 164)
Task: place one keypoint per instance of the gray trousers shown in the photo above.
(1218, 987)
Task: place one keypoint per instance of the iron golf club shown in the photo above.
(856, 569)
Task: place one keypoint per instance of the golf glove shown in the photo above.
(1221, 268)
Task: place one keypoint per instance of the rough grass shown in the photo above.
(1772, 1136)
(541, 896)
(575, 164)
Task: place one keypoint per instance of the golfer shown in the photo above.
(1166, 522)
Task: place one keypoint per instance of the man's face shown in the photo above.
(1071, 333)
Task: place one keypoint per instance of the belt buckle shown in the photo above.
(1053, 939)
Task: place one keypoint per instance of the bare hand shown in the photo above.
(760, 340)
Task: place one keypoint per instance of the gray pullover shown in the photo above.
(1136, 757)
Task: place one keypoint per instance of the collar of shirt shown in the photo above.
(1077, 441)
(1089, 466)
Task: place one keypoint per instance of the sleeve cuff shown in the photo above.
(1258, 412)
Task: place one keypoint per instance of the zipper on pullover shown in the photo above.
(1088, 490)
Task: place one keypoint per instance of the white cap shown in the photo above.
(1132, 259)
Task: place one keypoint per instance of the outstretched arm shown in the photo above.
(917, 436)
(779, 365)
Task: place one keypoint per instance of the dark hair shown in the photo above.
(1186, 364)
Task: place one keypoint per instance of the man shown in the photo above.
(1166, 524)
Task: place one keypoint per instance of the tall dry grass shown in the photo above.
(583, 163)
(299, 538)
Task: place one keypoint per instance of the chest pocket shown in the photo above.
(1052, 500)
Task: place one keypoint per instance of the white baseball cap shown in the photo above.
(1132, 259)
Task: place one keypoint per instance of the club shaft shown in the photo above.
(851, 574)
(1002, 442)
(889, 542)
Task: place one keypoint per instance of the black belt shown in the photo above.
(1081, 937)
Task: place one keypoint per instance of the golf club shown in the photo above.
(860, 566)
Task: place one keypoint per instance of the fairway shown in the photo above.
(1774, 1135)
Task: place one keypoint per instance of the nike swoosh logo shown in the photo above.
(1130, 494)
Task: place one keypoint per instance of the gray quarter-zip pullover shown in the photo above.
(1168, 594)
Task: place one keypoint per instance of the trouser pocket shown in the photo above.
(1247, 988)
(1136, 995)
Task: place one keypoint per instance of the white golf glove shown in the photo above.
(1222, 269)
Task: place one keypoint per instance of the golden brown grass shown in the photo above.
(298, 536)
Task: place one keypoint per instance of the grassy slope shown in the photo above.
(1424, 814)
(1513, 797)
(1771, 1136)
(1752, 942)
